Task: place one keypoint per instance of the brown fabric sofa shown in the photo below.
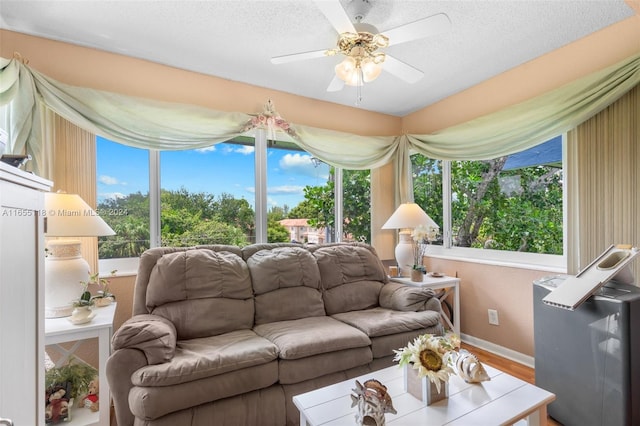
(227, 335)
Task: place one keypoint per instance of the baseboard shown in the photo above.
(499, 350)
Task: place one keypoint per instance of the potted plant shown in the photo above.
(82, 311)
(62, 385)
(422, 236)
(103, 296)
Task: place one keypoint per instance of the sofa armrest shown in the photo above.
(401, 297)
(151, 334)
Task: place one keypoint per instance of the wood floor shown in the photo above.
(510, 367)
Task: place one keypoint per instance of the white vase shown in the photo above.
(81, 315)
(422, 388)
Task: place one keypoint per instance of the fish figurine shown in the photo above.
(373, 402)
(470, 368)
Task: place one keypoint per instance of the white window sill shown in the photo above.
(538, 262)
(124, 267)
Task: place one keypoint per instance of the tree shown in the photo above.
(237, 212)
(186, 219)
(276, 233)
(516, 210)
(319, 205)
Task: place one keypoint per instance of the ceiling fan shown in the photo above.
(361, 45)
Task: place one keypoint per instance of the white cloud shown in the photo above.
(279, 190)
(243, 149)
(112, 195)
(285, 189)
(207, 149)
(301, 164)
(110, 180)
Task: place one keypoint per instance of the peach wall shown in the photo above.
(548, 72)
(80, 66)
(508, 290)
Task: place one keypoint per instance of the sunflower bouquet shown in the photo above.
(433, 356)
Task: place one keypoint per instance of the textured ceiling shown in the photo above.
(236, 39)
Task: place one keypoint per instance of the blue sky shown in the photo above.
(221, 168)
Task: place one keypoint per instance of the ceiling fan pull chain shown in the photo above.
(359, 85)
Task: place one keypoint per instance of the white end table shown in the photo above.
(59, 330)
(451, 285)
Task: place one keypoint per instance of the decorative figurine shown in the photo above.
(470, 368)
(373, 402)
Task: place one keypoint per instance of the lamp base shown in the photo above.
(64, 268)
(404, 253)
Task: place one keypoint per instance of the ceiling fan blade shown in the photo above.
(335, 14)
(402, 70)
(336, 84)
(298, 56)
(432, 25)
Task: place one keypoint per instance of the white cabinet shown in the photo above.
(21, 296)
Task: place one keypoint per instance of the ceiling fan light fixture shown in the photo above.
(346, 69)
(370, 70)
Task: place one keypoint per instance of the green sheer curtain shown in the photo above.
(151, 124)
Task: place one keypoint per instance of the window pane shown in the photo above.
(427, 188)
(357, 205)
(500, 207)
(123, 198)
(297, 186)
(207, 195)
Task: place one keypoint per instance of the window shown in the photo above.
(207, 195)
(123, 198)
(290, 170)
(512, 203)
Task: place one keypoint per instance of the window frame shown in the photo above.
(536, 261)
(129, 266)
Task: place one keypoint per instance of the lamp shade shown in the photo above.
(409, 215)
(69, 216)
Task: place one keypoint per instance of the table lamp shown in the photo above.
(67, 215)
(406, 217)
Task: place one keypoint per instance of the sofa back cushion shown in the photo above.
(286, 283)
(202, 292)
(351, 274)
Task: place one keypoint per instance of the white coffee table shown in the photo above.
(504, 400)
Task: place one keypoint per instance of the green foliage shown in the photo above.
(304, 210)
(276, 233)
(319, 206)
(515, 210)
(186, 219)
(78, 374)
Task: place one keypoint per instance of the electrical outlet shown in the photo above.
(493, 317)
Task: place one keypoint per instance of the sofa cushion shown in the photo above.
(402, 297)
(152, 402)
(286, 283)
(153, 335)
(311, 336)
(209, 356)
(352, 276)
(311, 367)
(202, 292)
(381, 321)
